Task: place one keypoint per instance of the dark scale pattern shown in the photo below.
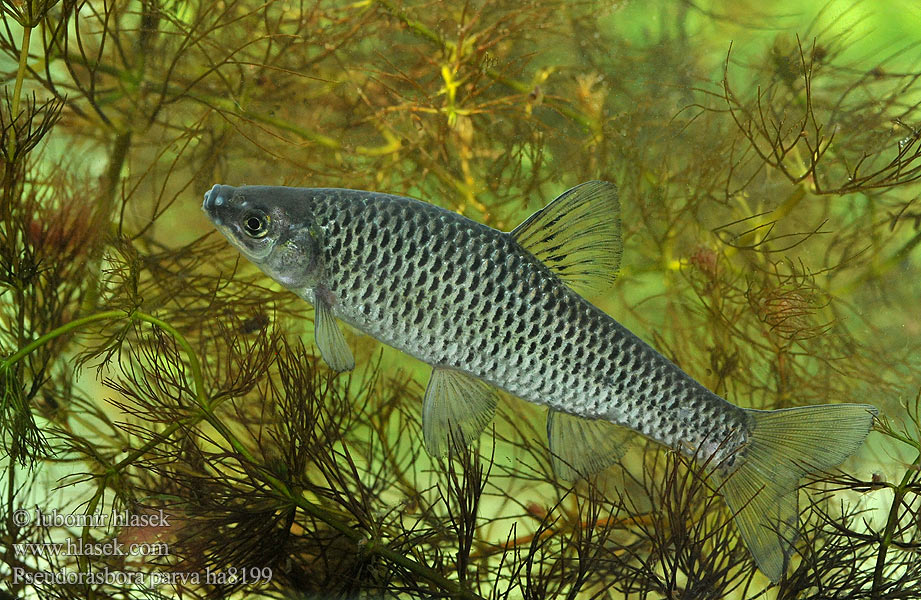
(456, 293)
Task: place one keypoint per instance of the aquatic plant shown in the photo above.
(769, 190)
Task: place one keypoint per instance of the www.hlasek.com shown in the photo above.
(78, 547)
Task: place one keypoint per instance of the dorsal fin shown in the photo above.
(577, 235)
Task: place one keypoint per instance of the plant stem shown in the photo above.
(450, 48)
(21, 71)
(195, 365)
(899, 493)
(55, 333)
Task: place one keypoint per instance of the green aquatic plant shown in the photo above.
(769, 189)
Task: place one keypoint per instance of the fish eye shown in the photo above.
(256, 224)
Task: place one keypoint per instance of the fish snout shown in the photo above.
(215, 199)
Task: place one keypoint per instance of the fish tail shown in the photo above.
(783, 446)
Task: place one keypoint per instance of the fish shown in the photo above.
(490, 310)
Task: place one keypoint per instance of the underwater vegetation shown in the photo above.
(768, 165)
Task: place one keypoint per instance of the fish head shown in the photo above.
(270, 226)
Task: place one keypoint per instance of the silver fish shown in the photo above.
(489, 309)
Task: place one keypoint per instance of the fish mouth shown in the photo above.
(212, 202)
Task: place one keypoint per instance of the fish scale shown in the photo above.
(462, 304)
(488, 309)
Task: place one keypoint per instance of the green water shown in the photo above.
(768, 162)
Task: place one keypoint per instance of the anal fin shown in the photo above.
(581, 447)
(457, 407)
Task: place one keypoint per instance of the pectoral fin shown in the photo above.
(581, 447)
(457, 407)
(577, 236)
(333, 348)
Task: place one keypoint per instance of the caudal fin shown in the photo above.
(783, 446)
